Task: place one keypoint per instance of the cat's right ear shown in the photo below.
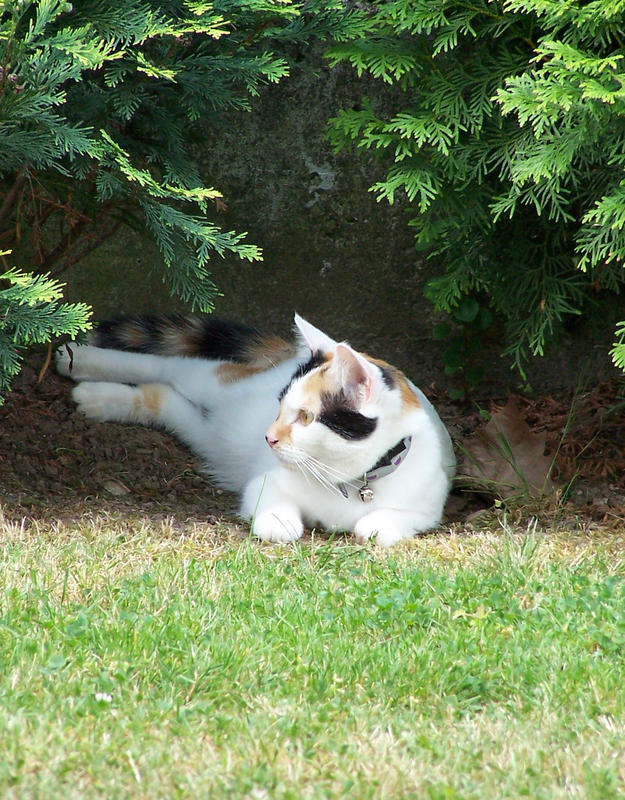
(316, 340)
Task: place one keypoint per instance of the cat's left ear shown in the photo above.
(316, 340)
(360, 379)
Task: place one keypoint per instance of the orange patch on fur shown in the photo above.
(230, 371)
(152, 397)
(268, 350)
(318, 382)
(179, 341)
(280, 431)
(260, 355)
(408, 397)
(133, 334)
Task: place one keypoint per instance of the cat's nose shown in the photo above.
(271, 441)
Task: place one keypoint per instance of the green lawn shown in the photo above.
(157, 661)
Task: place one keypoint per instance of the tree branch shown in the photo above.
(8, 204)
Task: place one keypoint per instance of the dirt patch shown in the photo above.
(56, 464)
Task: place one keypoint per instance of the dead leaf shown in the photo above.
(116, 488)
(506, 458)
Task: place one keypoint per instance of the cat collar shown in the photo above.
(384, 466)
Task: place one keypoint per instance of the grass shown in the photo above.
(150, 660)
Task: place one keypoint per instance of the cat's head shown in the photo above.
(340, 411)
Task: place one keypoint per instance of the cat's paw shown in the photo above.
(380, 526)
(107, 402)
(277, 526)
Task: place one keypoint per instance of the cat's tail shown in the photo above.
(193, 336)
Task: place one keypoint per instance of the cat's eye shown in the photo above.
(305, 417)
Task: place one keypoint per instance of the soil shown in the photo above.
(57, 465)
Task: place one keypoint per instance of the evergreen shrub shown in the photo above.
(100, 108)
(508, 141)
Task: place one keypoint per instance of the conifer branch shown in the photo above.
(510, 147)
(11, 198)
(102, 99)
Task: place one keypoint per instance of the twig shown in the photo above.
(9, 201)
(61, 245)
(46, 364)
(91, 243)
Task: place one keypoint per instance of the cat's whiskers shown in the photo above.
(323, 473)
(332, 472)
(312, 469)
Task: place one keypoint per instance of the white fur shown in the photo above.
(225, 424)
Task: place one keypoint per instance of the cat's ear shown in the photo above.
(360, 379)
(315, 339)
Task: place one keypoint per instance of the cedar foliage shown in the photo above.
(509, 142)
(30, 313)
(100, 105)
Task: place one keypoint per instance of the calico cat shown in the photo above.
(309, 433)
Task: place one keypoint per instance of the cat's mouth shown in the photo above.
(286, 458)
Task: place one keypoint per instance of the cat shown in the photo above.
(308, 433)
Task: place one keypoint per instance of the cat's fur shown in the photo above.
(292, 427)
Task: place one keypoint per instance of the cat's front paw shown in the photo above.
(277, 526)
(381, 527)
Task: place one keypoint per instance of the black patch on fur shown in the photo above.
(213, 339)
(226, 340)
(315, 360)
(337, 415)
(388, 457)
(387, 377)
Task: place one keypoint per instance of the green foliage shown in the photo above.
(100, 108)
(618, 351)
(98, 103)
(463, 337)
(510, 143)
(30, 313)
